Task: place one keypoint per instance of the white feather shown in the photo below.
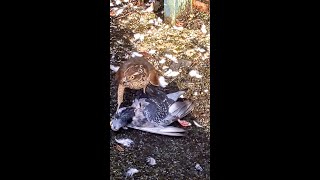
(151, 21)
(195, 73)
(198, 167)
(171, 73)
(134, 54)
(152, 51)
(131, 171)
(165, 67)
(203, 29)
(168, 131)
(151, 161)
(159, 20)
(178, 28)
(118, 12)
(200, 50)
(125, 142)
(138, 36)
(118, 2)
(149, 9)
(114, 68)
(172, 58)
(162, 61)
(198, 125)
(162, 82)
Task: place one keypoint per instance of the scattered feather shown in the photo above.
(114, 68)
(198, 76)
(195, 73)
(198, 167)
(138, 36)
(134, 54)
(111, 4)
(158, 22)
(195, 93)
(125, 142)
(171, 73)
(200, 50)
(162, 61)
(203, 29)
(131, 171)
(165, 67)
(178, 28)
(206, 90)
(197, 124)
(151, 161)
(151, 21)
(149, 9)
(162, 82)
(115, 8)
(152, 51)
(172, 58)
(125, 0)
(118, 12)
(118, 2)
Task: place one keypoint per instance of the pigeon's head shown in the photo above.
(121, 118)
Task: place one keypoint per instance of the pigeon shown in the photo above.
(153, 112)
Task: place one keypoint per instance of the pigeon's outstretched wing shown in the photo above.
(168, 130)
(177, 111)
(174, 96)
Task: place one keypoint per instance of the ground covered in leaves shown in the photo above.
(181, 54)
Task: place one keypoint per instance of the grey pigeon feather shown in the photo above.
(153, 112)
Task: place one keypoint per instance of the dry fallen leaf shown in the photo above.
(119, 148)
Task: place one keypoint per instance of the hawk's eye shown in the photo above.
(131, 77)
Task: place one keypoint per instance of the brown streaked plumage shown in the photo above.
(136, 73)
